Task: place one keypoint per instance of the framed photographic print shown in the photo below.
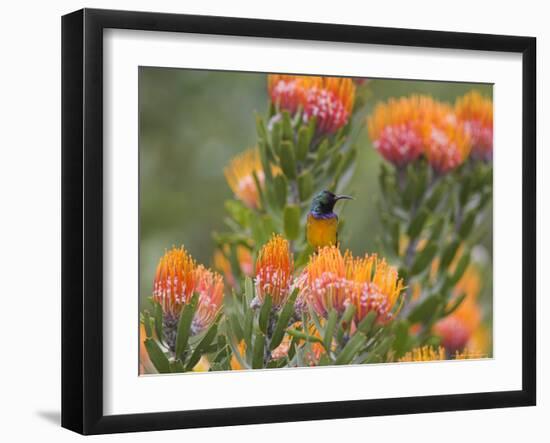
(273, 221)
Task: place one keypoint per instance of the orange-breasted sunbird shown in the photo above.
(322, 222)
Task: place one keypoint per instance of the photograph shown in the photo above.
(299, 221)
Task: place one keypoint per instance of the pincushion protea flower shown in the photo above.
(457, 329)
(446, 142)
(468, 354)
(428, 353)
(424, 353)
(274, 268)
(333, 281)
(329, 99)
(239, 174)
(287, 91)
(222, 264)
(177, 278)
(404, 129)
(476, 113)
(395, 128)
(146, 366)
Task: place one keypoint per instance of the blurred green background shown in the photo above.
(192, 123)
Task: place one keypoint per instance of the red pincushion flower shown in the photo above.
(177, 278)
(396, 129)
(476, 113)
(274, 268)
(329, 99)
(333, 281)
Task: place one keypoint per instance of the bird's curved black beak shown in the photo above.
(343, 197)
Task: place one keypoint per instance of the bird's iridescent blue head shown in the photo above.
(323, 203)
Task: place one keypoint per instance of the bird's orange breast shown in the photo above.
(322, 232)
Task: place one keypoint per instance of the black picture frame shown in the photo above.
(82, 220)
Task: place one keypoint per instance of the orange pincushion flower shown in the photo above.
(404, 129)
(446, 142)
(468, 354)
(222, 264)
(476, 113)
(329, 99)
(457, 329)
(424, 353)
(274, 268)
(286, 91)
(428, 353)
(332, 281)
(177, 278)
(395, 128)
(239, 174)
(146, 366)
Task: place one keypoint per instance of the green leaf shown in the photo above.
(260, 190)
(433, 341)
(345, 164)
(460, 268)
(303, 336)
(158, 321)
(241, 359)
(291, 219)
(436, 196)
(455, 305)
(184, 324)
(281, 363)
(237, 211)
(366, 324)
(280, 186)
(378, 353)
(248, 327)
(258, 356)
(395, 231)
(421, 182)
(305, 185)
(353, 346)
(265, 312)
(260, 128)
(467, 225)
(302, 146)
(329, 329)
(449, 253)
(202, 346)
(263, 149)
(288, 133)
(283, 320)
(147, 324)
(487, 179)
(335, 162)
(465, 188)
(287, 159)
(321, 154)
(437, 229)
(176, 366)
(345, 322)
(417, 224)
(423, 259)
(400, 344)
(276, 136)
(157, 356)
(372, 358)
(425, 310)
(248, 290)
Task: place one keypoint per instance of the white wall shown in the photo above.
(30, 217)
